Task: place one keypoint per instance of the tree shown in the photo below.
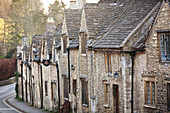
(56, 11)
(29, 14)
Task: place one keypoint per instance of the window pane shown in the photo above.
(106, 62)
(168, 46)
(107, 93)
(46, 92)
(162, 46)
(153, 92)
(148, 93)
(83, 92)
(65, 88)
(64, 44)
(108, 67)
(165, 46)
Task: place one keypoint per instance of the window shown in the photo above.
(168, 96)
(65, 87)
(106, 93)
(108, 66)
(74, 87)
(150, 93)
(83, 42)
(84, 92)
(55, 55)
(46, 90)
(165, 46)
(64, 43)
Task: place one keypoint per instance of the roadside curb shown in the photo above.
(12, 106)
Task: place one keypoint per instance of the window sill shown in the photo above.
(106, 105)
(83, 54)
(149, 106)
(165, 62)
(85, 105)
(64, 54)
(66, 99)
(108, 74)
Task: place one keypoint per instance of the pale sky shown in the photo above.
(48, 2)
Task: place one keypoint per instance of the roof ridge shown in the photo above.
(110, 27)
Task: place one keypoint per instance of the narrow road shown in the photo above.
(6, 91)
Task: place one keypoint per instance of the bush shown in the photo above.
(2, 57)
(7, 68)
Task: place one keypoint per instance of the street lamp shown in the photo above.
(47, 62)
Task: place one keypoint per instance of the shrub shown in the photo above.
(7, 68)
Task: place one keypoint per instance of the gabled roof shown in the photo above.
(99, 17)
(127, 21)
(57, 36)
(74, 43)
(27, 52)
(73, 18)
(36, 43)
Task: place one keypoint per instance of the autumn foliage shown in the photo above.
(7, 68)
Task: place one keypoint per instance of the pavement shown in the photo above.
(8, 103)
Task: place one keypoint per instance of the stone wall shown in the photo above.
(154, 65)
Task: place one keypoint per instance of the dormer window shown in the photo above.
(64, 43)
(83, 42)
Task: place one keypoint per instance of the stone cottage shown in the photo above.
(110, 56)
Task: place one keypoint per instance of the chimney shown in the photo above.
(50, 24)
(73, 4)
(77, 4)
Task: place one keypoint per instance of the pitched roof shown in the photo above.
(57, 36)
(73, 18)
(74, 43)
(99, 17)
(36, 43)
(125, 24)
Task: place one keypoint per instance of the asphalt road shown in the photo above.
(6, 91)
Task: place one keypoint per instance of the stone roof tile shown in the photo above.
(126, 22)
(73, 18)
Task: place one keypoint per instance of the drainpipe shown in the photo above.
(22, 81)
(58, 78)
(32, 95)
(26, 86)
(17, 77)
(68, 50)
(132, 54)
(41, 88)
(30, 82)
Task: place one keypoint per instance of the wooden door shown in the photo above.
(115, 99)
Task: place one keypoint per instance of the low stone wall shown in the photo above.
(8, 81)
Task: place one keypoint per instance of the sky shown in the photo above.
(46, 3)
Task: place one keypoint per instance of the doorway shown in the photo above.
(115, 98)
(52, 93)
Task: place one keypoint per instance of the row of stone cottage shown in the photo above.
(96, 54)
